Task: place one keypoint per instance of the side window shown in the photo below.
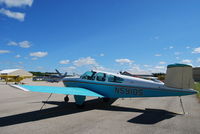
(112, 78)
(100, 76)
(119, 80)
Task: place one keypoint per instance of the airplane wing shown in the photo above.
(14, 76)
(7, 76)
(26, 77)
(58, 90)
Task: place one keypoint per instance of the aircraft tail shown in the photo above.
(179, 76)
(61, 74)
(58, 72)
(65, 74)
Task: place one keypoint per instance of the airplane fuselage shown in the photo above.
(120, 86)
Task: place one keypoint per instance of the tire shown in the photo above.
(106, 99)
(80, 106)
(66, 99)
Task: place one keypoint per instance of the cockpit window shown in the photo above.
(112, 78)
(88, 75)
(100, 76)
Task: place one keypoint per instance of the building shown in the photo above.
(196, 74)
(15, 72)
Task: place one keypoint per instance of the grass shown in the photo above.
(197, 87)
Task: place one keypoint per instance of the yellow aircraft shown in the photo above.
(14, 75)
(14, 78)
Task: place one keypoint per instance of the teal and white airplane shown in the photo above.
(108, 85)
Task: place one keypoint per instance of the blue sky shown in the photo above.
(140, 36)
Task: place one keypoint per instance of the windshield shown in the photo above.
(89, 75)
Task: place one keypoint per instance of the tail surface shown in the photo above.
(58, 72)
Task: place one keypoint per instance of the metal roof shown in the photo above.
(7, 71)
(178, 65)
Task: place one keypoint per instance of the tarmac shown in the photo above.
(30, 113)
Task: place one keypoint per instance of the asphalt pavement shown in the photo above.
(29, 113)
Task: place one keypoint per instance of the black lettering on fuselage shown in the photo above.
(128, 91)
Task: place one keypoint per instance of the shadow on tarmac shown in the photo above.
(148, 116)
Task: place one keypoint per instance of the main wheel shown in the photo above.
(66, 99)
(80, 106)
(106, 99)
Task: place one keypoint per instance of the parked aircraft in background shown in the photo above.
(108, 85)
(14, 75)
(14, 78)
(56, 78)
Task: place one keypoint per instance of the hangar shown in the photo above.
(15, 72)
(196, 74)
(14, 75)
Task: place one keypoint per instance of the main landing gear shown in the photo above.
(79, 100)
(66, 99)
(106, 99)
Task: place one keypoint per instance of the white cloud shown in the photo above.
(39, 68)
(188, 47)
(171, 47)
(25, 44)
(159, 67)
(198, 60)
(147, 65)
(156, 37)
(177, 53)
(137, 70)
(123, 61)
(162, 62)
(102, 55)
(196, 50)
(18, 66)
(85, 61)
(15, 15)
(12, 43)
(17, 3)
(68, 69)
(39, 54)
(22, 44)
(18, 56)
(157, 55)
(4, 51)
(64, 62)
(186, 61)
(34, 58)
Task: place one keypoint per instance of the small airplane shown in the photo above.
(56, 78)
(14, 78)
(108, 85)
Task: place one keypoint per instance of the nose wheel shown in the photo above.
(66, 99)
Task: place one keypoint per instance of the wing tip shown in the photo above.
(19, 87)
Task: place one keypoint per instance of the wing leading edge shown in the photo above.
(58, 90)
